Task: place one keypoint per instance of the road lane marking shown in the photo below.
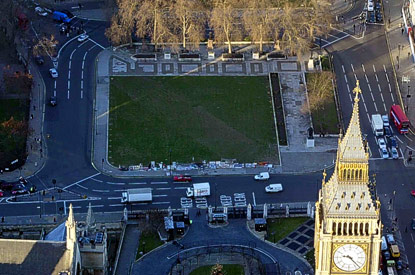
(350, 97)
(376, 107)
(387, 77)
(376, 76)
(345, 78)
(163, 188)
(367, 80)
(96, 43)
(370, 88)
(113, 198)
(82, 186)
(96, 180)
(119, 190)
(384, 106)
(393, 99)
(116, 183)
(408, 137)
(363, 99)
(355, 77)
(179, 188)
(161, 202)
(380, 90)
(412, 237)
(368, 118)
(399, 139)
(137, 183)
(384, 68)
(101, 205)
(102, 191)
(401, 152)
(364, 104)
(159, 182)
(253, 198)
(363, 67)
(374, 69)
(116, 205)
(159, 196)
(82, 180)
(352, 67)
(381, 95)
(343, 69)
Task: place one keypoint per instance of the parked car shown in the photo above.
(274, 188)
(394, 153)
(182, 178)
(262, 176)
(40, 11)
(413, 224)
(379, 17)
(39, 60)
(370, 6)
(390, 239)
(381, 143)
(19, 189)
(83, 37)
(53, 101)
(371, 17)
(377, 6)
(53, 73)
(385, 153)
(4, 185)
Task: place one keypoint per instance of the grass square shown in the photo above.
(190, 119)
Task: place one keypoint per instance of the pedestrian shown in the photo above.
(402, 31)
(31, 116)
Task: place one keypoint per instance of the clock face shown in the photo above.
(349, 257)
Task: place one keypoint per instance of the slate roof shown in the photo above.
(34, 257)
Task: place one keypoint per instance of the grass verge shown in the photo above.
(190, 119)
(228, 269)
(282, 227)
(310, 258)
(148, 241)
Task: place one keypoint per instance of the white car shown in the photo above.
(381, 143)
(40, 11)
(394, 153)
(274, 188)
(385, 153)
(370, 6)
(53, 73)
(385, 121)
(262, 176)
(83, 37)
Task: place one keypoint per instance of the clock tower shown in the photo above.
(348, 225)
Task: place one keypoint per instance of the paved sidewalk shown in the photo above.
(36, 145)
(128, 249)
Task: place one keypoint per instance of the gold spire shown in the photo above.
(351, 146)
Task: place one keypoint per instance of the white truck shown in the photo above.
(198, 190)
(377, 125)
(136, 195)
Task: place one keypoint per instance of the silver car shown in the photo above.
(385, 153)
(394, 153)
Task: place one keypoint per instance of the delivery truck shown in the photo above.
(377, 125)
(199, 190)
(136, 195)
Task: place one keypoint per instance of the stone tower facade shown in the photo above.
(348, 224)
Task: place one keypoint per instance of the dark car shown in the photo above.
(377, 6)
(68, 13)
(399, 265)
(22, 181)
(53, 101)
(388, 132)
(182, 178)
(371, 17)
(386, 255)
(19, 189)
(4, 185)
(39, 60)
(379, 17)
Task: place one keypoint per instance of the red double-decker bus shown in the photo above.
(399, 118)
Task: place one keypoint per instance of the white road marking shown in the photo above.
(401, 152)
(116, 183)
(345, 78)
(159, 182)
(102, 191)
(393, 99)
(343, 69)
(348, 88)
(355, 77)
(82, 180)
(387, 77)
(352, 67)
(384, 106)
(119, 190)
(408, 137)
(159, 196)
(137, 183)
(82, 73)
(116, 205)
(384, 68)
(161, 202)
(253, 198)
(381, 96)
(363, 99)
(97, 180)
(163, 188)
(370, 88)
(82, 186)
(367, 80)
(350, 96)
(364, 104)
(73, 207)
(363, 67)
(368, 117)
(70, 63)
(113, 198)
(96, 206)
(99, 45)
(374, 69)
(376, 76)
(380, 90)
(376, 107)
(55, 84)
(180, 188)
(399, 139)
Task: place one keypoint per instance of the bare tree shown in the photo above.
(46, 46)
(152, 19)
(224, 20)
(123, 23)
(318, 18)
(189, 21)
(259, 20)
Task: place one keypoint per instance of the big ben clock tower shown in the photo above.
(348, 226)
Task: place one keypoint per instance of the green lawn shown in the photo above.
(151, 240)
(13, 140)
(228, 269)
(283, 227)
(190, 118)
(325, 120)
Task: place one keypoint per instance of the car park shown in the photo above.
(262, 176)
(274, 188)
(182, 178)
(53, 73)
(385, 120)
(41, 12)
(381, 143)
(394, 153)
(53, 101)
(39, 60)
(83, 37)
(385, 153)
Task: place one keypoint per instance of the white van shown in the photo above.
(262, 176)
(274, 188)
(384, 244)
